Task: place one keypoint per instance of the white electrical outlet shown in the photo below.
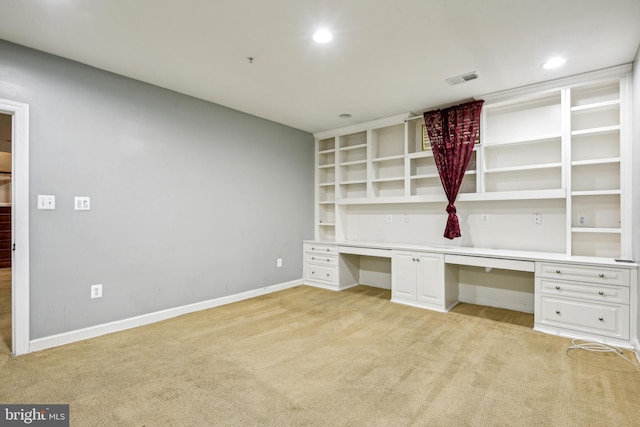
(46, 202)
(96, 291)
(279, 262)
(582, 219)
(389, 218)
(537, 218)
(406, 218)
(484, 218)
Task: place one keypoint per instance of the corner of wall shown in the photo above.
(635, 140)
(635, 189)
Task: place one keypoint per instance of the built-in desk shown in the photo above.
(580, 297)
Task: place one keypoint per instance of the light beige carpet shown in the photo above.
(311, 357)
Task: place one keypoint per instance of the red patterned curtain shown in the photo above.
(453, 132)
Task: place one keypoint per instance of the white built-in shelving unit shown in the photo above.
(597, 198)
(566, 140)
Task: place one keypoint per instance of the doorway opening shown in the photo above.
(6, 132)
(18, 311)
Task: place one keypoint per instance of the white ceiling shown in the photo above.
(387, 57)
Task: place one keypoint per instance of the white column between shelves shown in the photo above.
(626, 177)
(565, 143)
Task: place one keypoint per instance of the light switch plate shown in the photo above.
(83, 203)
(47, 202)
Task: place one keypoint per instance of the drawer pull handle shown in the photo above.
(600, 293)
(601, 275)
(600, 319)
(558, 271)
(558, 287)
(557, 311)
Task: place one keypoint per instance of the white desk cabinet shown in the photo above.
(419, 279)
(323, 267)
(589, 300)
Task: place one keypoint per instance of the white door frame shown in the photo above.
(19, 224)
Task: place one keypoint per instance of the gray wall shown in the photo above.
(190, 200)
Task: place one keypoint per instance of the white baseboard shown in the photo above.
(145, 319)
(636, 348)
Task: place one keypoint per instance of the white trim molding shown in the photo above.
(146, 319)
(536, 89)
(20, 224)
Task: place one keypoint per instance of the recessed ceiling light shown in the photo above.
(322, 36)
(345, 116)
(553, 63)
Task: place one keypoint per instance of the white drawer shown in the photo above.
(605, 275)
(590, 291)
(313, 258)
(321, 273)
(321, 249)
(600, 319)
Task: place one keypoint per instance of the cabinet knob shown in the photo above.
(601, 275)
(328, 250)
(558, 287)
(313, 272)
(600, 319)
(557, 311)
(313, 258)
(600, 293)
(313, 248)
(328, 274)
(558, 271)
(328, 259)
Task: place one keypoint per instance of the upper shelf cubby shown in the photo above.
(595, 96)
(524, 121)
(387, 142)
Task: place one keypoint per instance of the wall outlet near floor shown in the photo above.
(96, 291)
(279, 262)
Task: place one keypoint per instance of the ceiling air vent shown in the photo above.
(463, 78)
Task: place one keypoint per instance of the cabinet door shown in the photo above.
(403, 276)
(430, 278)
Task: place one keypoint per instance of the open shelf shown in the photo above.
(595, 230)
(524, 168)
(529, 179)
(523, 140)
(596, 130)
(595, 193)
(597, 106)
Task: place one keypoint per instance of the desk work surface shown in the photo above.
(384, 249)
